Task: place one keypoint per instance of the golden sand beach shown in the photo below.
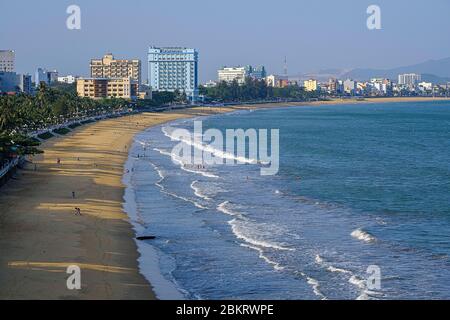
(40, 235)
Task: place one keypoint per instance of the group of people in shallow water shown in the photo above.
(190, 166)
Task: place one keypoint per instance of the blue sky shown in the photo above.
(312, 34)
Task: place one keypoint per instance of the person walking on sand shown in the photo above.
(73, 194)
(58, 161)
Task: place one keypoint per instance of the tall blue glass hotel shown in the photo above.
(173, 68)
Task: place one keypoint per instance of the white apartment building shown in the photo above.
(409, 79)
(427, 86)
(7, 60)
(350, 86)
(173, 68)
(230, 74)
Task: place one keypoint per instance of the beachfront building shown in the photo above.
(44, 76)
(277, 81)
(230, 74)
(257, 73)
(7, 60)
(409, 79)
(310, 85)
(350, 86)
(69, 79)
(334, 86)
(109, 67)
(99, 88)
(173, 69)
(425, 86)
(11, 82)
(380, 86)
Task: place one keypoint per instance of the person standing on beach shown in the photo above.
(73, 194)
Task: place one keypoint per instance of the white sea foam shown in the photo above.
(365, 294)
(275, 265)
(164, 190)
(353, 279)
(242, 228)
(334, 269)
(320, 261)
(363, 236)
(242, 232)
(209, 149)
(198, 191)
(224, 207)
(183, 165)
(315, 285)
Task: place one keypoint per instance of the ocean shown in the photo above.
(358, 186)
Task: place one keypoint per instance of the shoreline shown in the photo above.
(148, 261)
(39, 234)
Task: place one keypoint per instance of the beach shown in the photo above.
(40, 235)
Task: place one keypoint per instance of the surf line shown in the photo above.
(211, 148)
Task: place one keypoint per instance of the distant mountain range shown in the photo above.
(436, 71)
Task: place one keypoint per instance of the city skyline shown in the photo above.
(264, 37)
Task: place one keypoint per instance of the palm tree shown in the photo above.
(8, 119)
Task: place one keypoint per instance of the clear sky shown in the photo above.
(312, 34)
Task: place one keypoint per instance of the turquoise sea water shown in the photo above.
(358, 185)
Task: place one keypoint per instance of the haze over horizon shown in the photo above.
(312, 36)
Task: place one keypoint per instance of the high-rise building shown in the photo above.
(108, 67)
(44, 76)
(13, 82)
(230, 74)
(350, 86)
(333, 86)
(257, 73)
(173, 68)
(310, 85)
(7, 60)
(98, 88)
(409, 79)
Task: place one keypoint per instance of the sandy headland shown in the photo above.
(40, 234)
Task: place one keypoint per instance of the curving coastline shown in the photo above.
(39, 234)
